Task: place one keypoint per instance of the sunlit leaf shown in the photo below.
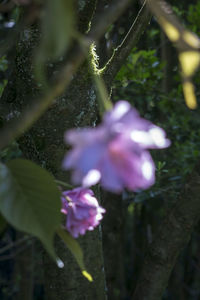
(189, 94)
(170, 30)
(30, 200)
(87, 275)
(189, 61)
(191, 39)
(75, 249)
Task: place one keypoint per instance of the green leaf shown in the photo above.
(30, 200)
(57, 27)
(75, 249)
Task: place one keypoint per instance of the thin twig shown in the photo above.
(13, 255)
(131, 39)
(59, 182)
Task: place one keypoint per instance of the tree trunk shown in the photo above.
(113, 245)
(77, 108)
(173, 234)
(44, 145)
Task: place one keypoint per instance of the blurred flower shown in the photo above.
(82, 210)
(114, 152)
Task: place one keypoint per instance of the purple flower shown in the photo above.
(115, 152)
(82, 210)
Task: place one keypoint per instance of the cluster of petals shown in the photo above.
(115, 152)
(82, 210)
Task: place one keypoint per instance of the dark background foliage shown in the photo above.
(150, 80)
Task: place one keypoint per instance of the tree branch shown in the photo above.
(186, 42)
(131, 39)
(183, 39)
(62, 81)
(172, 236)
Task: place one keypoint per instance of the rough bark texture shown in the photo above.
(76, 108)
(172, 236)
(79, 109)
(44, 144)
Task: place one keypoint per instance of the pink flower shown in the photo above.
(82, 210)
(115, 152)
